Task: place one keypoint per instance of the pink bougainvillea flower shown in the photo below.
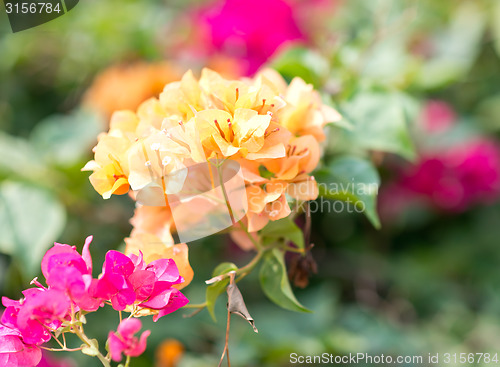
(450, 179)
(165, 299)
(165, 270)
(153, 283)
(66, 256)
(113, 284)
(458, 177)
(124, 341)
(129, 280)
(39, 311)
(437, 116)
(9, 316)
(240, 29)
(65, 269)
(14, 352)
(49, 361)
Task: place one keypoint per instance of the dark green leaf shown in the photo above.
(282, 229)
(380, 124)
(216, 289)
(354, 180)
(275, 284)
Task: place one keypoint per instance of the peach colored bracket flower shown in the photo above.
(271, 129)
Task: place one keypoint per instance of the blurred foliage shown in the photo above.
(426, 283)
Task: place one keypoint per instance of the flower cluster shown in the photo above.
(449, 175)
(125, 86)
(236, 32)
(270, 128)
(125, 283)
(240, 29)
(458, 177)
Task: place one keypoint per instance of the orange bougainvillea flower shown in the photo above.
(151, 235)
(304, 113)
(169, 353)
(126, 86)
(243, 133)
(270, 128)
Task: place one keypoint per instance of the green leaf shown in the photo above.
(264, 172)
(62, 330)
(343, 122)
(18, 158)
(380, 124)
(275, 284)
(282, 229)
(454, 49)
(31, 219)
(92, 350)
(67, 140)
(496, 26)
(351, 179)
(216, 289)
(301, 62)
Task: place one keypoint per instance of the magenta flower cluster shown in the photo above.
(450, 176)
(240, 29)
(458, 177)
(126, 283)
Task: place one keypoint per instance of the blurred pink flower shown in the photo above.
(437, 116)
(14, 352)
(124, 341)
(452, 179)
(49, 361)
(251, 31)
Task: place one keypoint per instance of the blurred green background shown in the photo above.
(425, 282)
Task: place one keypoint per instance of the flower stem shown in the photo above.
(245, 270)
(61, 350)
(196, 305)
(79, 332)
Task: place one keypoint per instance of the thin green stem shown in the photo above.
(79, 332)
(61, 350)
(250, 237)
(245, 270)
(64, 339)
(223, 188)
(196, 305)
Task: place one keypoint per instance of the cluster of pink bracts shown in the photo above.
(126, 282)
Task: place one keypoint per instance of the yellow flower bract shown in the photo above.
(261, 122)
